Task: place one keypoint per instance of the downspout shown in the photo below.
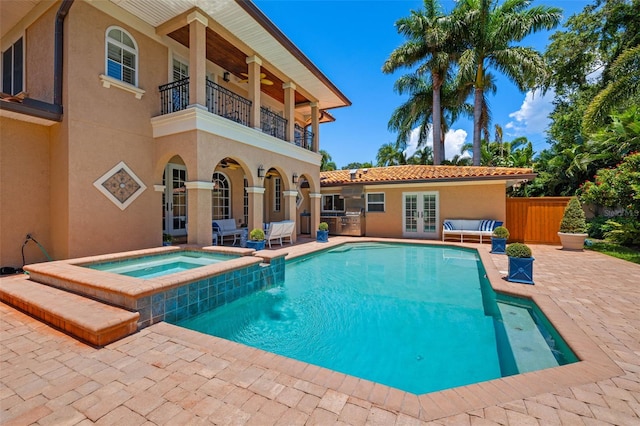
(58, 49)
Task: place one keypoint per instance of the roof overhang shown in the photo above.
(253, 34)
(32, 111)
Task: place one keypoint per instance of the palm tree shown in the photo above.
(417, 111)
(428, 43)
(390, 154)
(622, 90)
(517, 153)
(421, 156)
(488, 30)
(326, 164)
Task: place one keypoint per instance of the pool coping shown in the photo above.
(593, 365)
(124, 291)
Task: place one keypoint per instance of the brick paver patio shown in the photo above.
(166, 375)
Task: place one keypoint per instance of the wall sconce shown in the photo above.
(225, 76)
(260, 171)
(295, 177)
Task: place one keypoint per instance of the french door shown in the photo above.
(174, 199)
(420, 214)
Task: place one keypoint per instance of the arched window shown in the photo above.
(220, 197)
(121, 56)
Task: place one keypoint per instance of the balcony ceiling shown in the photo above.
(12, 11)
(257, 36)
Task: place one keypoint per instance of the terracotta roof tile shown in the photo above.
(422, 173)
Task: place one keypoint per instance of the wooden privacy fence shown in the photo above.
(535, 220)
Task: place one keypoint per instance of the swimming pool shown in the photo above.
(159, 265)
(415, 317)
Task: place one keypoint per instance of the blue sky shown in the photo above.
(349, 40)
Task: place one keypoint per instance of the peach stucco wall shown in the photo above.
(48, 172)
(39, 56)
(106, 126)
(459, 201)
(24, 191)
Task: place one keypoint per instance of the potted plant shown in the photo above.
(322, 235)
(256, 239)
(167, 239)
(520, 263)
(573, 227)
(499, 240)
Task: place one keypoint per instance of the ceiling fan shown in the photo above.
(229, 163)
(263, 79)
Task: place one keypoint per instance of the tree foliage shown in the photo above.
(489, 32)
(595, 78)
(616, 188)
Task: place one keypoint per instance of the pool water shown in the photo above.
(418, 318)
(162, 264)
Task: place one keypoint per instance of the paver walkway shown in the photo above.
(165, 375)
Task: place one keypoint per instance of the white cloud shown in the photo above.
(533, 116)
(453, 141)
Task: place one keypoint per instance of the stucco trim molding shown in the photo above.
(290, 193)
(120, 185)
(110, 81)
(196, 184)
(255, 190)
(159, 188)
(315, 195)
(191, 119)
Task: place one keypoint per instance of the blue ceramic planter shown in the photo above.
(322, 236)
(498, 245)
(521, 270)
(256, 245)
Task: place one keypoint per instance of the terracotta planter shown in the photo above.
(572, 241)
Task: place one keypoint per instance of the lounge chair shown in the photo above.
(274, 232)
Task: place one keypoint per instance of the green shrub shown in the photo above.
(256, 234)
(573, 219)
(518, 250)
(624, 230)
(324, 226)
(501, 232)
(596, 227)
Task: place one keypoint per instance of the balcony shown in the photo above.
(174, 97)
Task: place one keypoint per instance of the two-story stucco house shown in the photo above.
(123, 120)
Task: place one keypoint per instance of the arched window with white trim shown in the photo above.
(121, 56)
(220, 197)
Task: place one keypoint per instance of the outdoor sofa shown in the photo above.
(475, 229)
(280, 231)
(221, 228)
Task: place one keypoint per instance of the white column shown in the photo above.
(315, 126)
(289, 109)
(254, 89)
(256, 202)
(315, 198)
(290, 208)
(197, 58)
(199, 212)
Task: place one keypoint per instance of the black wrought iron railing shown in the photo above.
(303, 137)
(272, 124)
(225, 103)
(174, 96)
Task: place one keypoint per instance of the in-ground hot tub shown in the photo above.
(182, 282)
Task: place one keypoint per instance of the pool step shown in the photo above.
(531, 352)
(87, 319)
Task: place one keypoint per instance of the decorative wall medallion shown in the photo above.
(120, 185)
